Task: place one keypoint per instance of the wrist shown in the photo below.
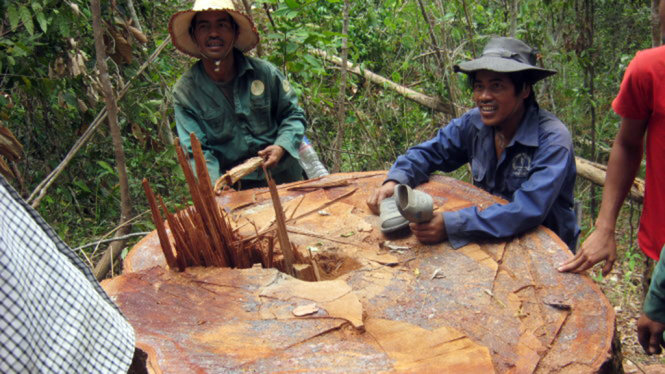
(604, 227)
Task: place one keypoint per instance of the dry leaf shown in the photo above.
(138, 34)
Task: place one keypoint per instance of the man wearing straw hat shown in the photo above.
(237, 106)
(516, 150)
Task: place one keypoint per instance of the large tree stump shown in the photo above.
(384, 305)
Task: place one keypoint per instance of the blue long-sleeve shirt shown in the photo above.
(535, 173)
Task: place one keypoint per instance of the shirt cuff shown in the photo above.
(454, 222)
(398, 176)
(289, 147)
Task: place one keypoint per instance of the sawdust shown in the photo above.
(333, 265)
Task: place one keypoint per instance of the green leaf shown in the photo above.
(12, 14)
(42, 21)
(82, 186)
(292, 4)
(26, 17)
(105, 165)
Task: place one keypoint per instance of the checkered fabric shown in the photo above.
(54, 315)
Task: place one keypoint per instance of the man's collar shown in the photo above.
(527, 133)
(242, 64)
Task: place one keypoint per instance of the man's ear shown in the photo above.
(526, 91)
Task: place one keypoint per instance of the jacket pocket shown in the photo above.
(260, 121)
(219, 129)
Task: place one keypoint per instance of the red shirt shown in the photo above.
(642, 96)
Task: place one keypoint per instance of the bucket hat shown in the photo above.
(506, 55)
(179, 24)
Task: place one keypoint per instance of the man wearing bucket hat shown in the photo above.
(237, 106)
(517, 151)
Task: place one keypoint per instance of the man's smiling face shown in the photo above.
(495, 97)
(214, 33)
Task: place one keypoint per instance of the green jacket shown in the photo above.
(265, 111)
(654, 303)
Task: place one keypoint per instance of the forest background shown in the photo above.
(52, 94)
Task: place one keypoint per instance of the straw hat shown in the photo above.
(506, 55)
(179, 24)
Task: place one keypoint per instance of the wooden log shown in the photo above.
(238, 172)
(496, 305)
(304, 272)
(595, 173)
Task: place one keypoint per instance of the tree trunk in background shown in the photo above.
(513, 17)
(248, 8)
(111, 107)
(469, 26)
(341, 107)
(441, 61)
(585, 53)
(452, 77)
(656, 35)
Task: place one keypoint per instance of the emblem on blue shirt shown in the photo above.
(521, 165)
(257, 88)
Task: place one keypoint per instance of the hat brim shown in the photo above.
(503, 65)
(179, 24)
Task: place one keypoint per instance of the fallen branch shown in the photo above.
(596, 173)
(428, 101)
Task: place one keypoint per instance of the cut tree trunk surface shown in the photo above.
(385, 304)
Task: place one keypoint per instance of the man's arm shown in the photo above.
(530, 204)
(290, 117)
(622, 167)
(445, 152)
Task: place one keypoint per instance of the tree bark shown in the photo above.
(115, 248)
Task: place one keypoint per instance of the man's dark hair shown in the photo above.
(192, 25)
(519, 79)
